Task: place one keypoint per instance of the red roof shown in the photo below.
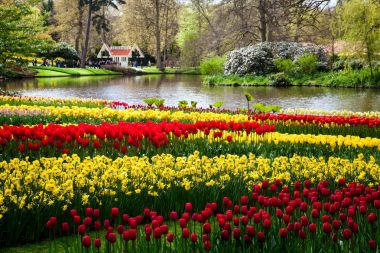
(120, 52)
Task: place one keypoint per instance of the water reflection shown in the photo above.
(186, 87)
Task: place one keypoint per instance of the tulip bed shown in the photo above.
(91, 171)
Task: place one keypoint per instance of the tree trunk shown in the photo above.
(158, 39)
(87, 37)
(166, 34)
(263, 22)
(369, 58)
(78, 37)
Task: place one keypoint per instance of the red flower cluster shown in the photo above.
(121, 134)
(347, 212)
(339, 120)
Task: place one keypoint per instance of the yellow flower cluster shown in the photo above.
(304, 111)
(57, 181)
(50, 101)
(333, 141)
(107, 113)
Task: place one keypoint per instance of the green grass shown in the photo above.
(53, 71)
(45, 72)
(188, 71)
(344, 78)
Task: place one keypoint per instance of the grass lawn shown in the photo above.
(53, 71)
(46, 72)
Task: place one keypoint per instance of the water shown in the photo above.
(174, 88)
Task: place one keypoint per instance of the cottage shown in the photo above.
(120, 54)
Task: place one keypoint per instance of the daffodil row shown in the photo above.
(67, 181)
(305, 111)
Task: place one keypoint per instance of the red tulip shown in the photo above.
(236, 233)
(97, 225)
(313, 227)
(114, 212)
(244, 200)
(372, 244)
(346, 234)
(267, 224)
(173, 216)
(107, 223)
(125, 218)
(120, 229)
(97, 243)
(112, 237)
(125, 235)
(188, 207)
(182, 223)
(170, 237)
(207, 245)
(327, 227)
(87, 221)
(261, 236)
(82, 229)
(225, 235)
(207, 228)
(372, 218)
(193, 237)
(185, 233)
(73, 213)
(336, 224)
(86, 241)
(65, 227)
(132, 233)
(89, 212)
(250, 230)
(302, 234)
(376, 203)
(96, 213)
(53, 221)
(164, 229)
(283, 232)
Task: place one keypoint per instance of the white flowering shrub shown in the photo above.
(259, 59)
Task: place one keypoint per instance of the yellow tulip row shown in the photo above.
(56, 181)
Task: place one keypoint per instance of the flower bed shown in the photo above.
(135, 157)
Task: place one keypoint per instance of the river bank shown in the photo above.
(345, 78)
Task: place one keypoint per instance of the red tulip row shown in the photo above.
(156, 133)
(339, 120)
(272, 213)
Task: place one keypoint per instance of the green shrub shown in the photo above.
(212, 66)
(280, 80)
(284, 65)
(218, 104)
(159, 102)
(307, 63)
(183, 103)
(150, 101)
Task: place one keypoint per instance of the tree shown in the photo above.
(21, 29)
(62, 50)
(361, 23)
(93, 6)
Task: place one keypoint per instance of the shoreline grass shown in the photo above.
(344, 78)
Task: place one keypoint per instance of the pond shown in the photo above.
(174, 88)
